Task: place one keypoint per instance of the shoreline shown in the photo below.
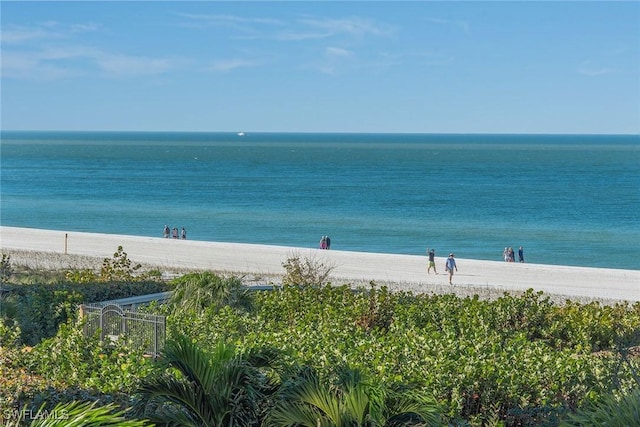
(257, 262)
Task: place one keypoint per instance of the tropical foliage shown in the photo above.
(199, 388)
(82, 414)
(39, 303)
(610, 410)
(523, 360)
(282, 359)
(199, 291)
(352, 401)
(118, 268)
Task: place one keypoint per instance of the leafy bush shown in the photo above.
(6, 270)
(513, 361)
(9, 333)
(69, 367)
(119, 268)
(41, 308)
(505, 359)
(305, 271)
(76, 360)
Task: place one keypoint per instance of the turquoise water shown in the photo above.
(567, 199)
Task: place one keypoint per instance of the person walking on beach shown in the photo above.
(323, 242)
(432, 260)
(166, 232)
(174, 232)
(328, 240)
(184, 234)
(521, 254)
(505, 254)
(450, 265)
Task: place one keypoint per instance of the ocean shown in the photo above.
(567, 199)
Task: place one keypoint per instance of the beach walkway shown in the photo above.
(406, 271)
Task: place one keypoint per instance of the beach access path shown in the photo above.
(406, 272)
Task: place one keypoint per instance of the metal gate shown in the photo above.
(146, 331)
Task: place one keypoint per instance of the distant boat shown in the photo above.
(240, 133)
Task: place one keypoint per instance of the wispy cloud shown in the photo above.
(49, 30)
(587, 68)
(337, 52)
(333, 60)
(333, 27)
(51, 50)
(243, 27)
(11, 34)
(46, 51)
(32, 66)
(119, 65)
(226, 65)
(301, 28)
(461, 25)
(343, 35)
(425, 58)
(64, 62)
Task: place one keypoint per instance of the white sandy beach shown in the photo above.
(406, 272)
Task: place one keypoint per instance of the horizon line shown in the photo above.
(245, 132)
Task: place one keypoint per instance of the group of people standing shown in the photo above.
(449, 265)
(510, 256)
(325, 242)
(174, 233)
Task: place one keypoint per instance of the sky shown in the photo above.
(545, 67)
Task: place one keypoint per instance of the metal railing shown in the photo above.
(145, 331)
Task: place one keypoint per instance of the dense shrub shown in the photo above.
(516, 360)
(70, 367)
(513, 358)
(41, 308)
(306, 271)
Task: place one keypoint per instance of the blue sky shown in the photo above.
(415, 67)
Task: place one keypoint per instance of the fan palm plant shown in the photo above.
(198, 388)
(354, 402)
(609, 411)
(83, 414)
(205, 289)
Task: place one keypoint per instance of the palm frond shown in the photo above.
(415, 408)
(207, 388)
(181, 394)
(297, 414)
(191, 361)
(84, 414)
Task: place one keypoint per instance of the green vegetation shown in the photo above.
(39, 302)
(199, 291)
(199, 388)
(78, 414)
(350, 400)
(611, 410)
(305, 271)
(119, 268)
(319, 355)
(6, 270)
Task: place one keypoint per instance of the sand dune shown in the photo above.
(403, 271)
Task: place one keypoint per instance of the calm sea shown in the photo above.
(570, 200)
